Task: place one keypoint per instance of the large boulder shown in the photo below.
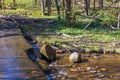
(48, 52)
(75, 57)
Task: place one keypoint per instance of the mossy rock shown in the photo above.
(48, 52)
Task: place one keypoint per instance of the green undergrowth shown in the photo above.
(96, 36)
(94, 39)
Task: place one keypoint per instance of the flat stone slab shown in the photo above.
(14, 62)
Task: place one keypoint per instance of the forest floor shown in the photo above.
(97, 64)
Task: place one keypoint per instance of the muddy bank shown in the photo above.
(93, 66)
(103, 67)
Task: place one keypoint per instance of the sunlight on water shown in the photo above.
(8, 62)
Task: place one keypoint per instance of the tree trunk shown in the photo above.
(1, 4)
(14, 3)
(35, 2)
(94, 4)
(87, 7)
(118, 26)
(58, 9)
(101, 4)
(63, 8)
(68, 12)
(42, 7)
(48, 2)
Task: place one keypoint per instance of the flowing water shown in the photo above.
(36, 49)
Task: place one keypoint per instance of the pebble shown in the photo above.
(101, 76)
(93, 71)
(95, 57)
(103, 69)
(92, 76)
(89, 68)
(74, 70)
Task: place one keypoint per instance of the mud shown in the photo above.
(102, 67)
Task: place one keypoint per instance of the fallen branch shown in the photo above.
(111, 26)
(96, 16)
(65, 35)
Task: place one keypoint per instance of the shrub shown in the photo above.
(108, 17)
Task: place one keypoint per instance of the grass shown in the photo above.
(96, 34)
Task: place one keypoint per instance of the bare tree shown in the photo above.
(14, 3)
(87, 7)
(58, 9)
(35, 2)
(118, 26)
(42, 7)
(48, 4)
(68, 11)
(94, 4)
(101, 4)
(1, 4)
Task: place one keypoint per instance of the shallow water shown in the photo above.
(36, 49)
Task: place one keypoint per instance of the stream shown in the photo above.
(34, 57)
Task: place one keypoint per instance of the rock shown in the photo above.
(93, 71)
(75, 57)
(92, 76)
(89, 68)
(48, 52)
(101, 76)
(74, 70)
(103, 69)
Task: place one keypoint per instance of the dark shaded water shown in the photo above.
(34, 57)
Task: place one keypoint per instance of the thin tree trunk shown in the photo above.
(58, 9)
(14, 3)
(49, 6)
(35, 2)
(1, 4)
(42, 7)
(118, 26)
(101, 4)
(94, 4)
(63, 8)
(68, 12)
(87, 7)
